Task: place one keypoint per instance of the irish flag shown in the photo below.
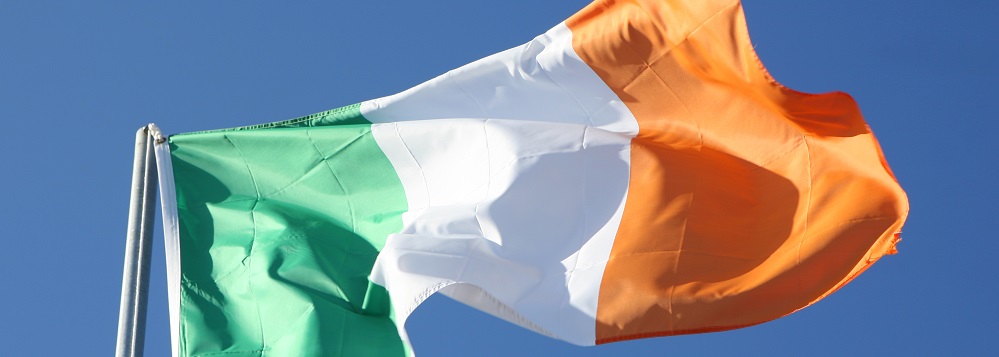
(633, 172)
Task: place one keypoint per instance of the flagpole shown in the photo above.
(138, 246)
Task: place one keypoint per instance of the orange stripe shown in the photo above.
(747, 201)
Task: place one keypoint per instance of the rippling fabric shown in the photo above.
(633, 172)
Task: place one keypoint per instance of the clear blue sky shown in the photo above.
(78, 78)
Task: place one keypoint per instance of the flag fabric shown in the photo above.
(633, 172)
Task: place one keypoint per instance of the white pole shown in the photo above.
(138, 245)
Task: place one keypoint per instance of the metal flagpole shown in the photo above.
(138, 245)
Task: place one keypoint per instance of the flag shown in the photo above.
(633, 172)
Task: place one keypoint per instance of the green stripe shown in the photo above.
(350, 114)
(280, 226)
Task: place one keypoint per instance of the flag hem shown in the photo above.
(171, 237)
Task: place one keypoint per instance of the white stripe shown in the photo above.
(516, 169)
(171, 238)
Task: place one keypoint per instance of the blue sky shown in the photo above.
(78, 78)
